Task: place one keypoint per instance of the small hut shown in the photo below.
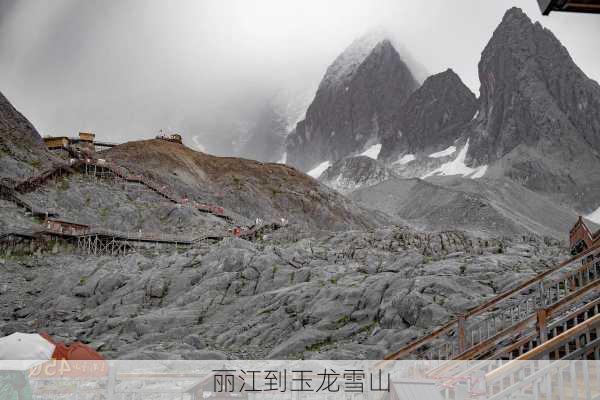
(56, 143)
(174, 137)
(87, 137)
(65, 227)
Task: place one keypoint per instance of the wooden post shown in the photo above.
(542, 325)
(461, 333)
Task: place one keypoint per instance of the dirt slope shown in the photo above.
(249, 188)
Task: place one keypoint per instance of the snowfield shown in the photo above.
(458, 167)
(450, 150)
(405, 159)
(595, 216)
(373, 151)
(319, 169)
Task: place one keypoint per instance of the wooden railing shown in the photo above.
(460, 334)
(527, 335)
(163, 190)
(10, 194)
(535, 372)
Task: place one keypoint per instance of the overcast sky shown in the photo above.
(127, 68)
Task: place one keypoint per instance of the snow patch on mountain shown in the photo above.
(317, 171)
(595, 216)
(479, 172)
(450, 150)
(458, 167)
(373, 151)
(350, 59)
(405, 159)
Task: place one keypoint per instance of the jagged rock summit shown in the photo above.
(355, 104)
(427, 126)
(432, 117)
(539, 114)
(537, 121)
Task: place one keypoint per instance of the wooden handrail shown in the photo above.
(478, 309)
(543, 348)
(488, 344)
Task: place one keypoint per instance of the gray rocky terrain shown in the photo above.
(352, 173)
(358, 294)
(126, 207)
(484, 206)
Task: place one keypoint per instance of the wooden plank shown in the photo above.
(542, 349)
(479, 309)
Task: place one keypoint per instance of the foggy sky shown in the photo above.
(126, 68)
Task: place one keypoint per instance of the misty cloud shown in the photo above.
(126, 69)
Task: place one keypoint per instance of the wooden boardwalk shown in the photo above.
(517, 344)
(9, 193)
(472, 332)
(106, 169)
(98, 240)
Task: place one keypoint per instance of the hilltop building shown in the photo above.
(581, 237)
(83, 145)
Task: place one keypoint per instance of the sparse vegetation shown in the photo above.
(319, 345)
(35, 163)
(343, 321)
(104, 212)
(63, 185)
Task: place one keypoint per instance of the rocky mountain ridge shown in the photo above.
(537, 121)
(22, 150)
(354, 106)
(432, 118)
(539, 114)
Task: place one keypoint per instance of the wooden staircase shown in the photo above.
(482, 329)
(522, 344)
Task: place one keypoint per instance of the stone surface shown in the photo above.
(356, 294)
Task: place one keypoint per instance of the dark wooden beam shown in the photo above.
(581, 6)
(546, 6)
